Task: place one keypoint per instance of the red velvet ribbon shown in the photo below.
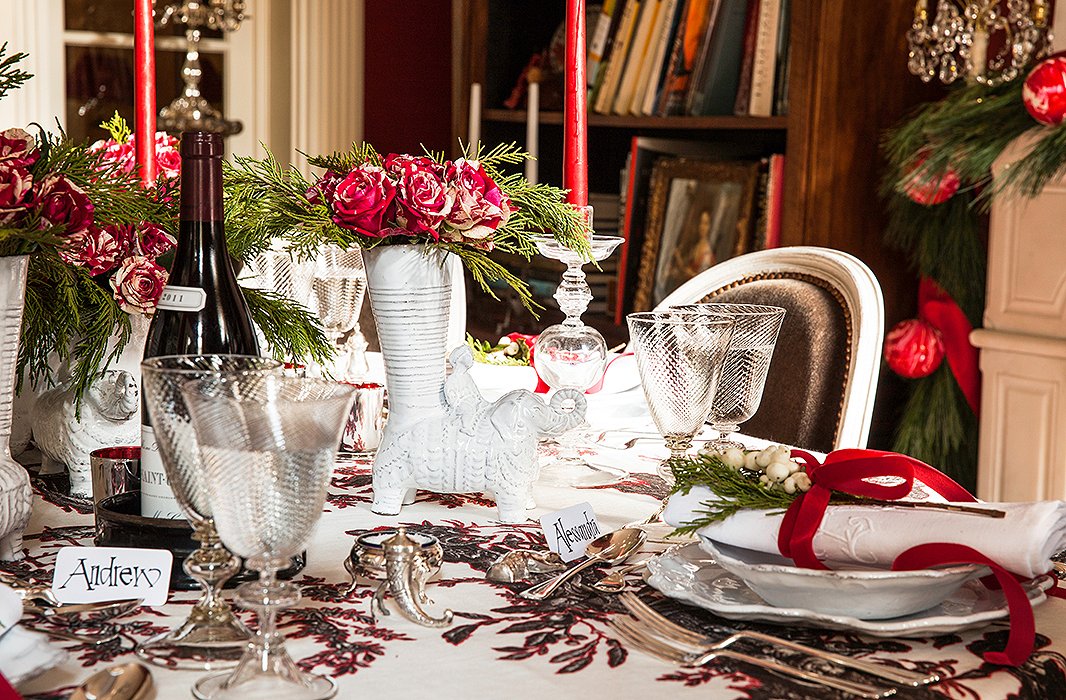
(845, 471)
(938, 309)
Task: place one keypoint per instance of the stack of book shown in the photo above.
(689, 57)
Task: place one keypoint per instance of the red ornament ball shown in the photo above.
(929, 188)
(1044, 91)
(914, 348)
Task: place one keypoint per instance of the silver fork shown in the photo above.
(628, 629)
(681, 635)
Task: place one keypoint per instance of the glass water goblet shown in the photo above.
(268, 446)
(338, 285)
(679, 358)
(740, 388)
(571, 355)
(211, 637)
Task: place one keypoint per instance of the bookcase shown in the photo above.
(847, 83)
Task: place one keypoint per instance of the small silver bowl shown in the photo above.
(367, 558)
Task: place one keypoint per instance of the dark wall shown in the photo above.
(408, 82)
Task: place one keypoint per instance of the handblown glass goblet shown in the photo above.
(740, 389)
(268, 445)
(338, 285)
(679, 358)
(211, 637)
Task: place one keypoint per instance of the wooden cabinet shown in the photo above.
(848, 83)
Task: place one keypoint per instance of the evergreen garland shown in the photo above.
(965, 132)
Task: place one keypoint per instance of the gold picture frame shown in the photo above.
(699, 213)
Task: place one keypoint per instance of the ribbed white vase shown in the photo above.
(410, 289)
(15, 494)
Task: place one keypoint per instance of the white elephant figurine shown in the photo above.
(464, 443)
(16, 498)
(110, 417)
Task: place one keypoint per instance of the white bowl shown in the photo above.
(866, 594)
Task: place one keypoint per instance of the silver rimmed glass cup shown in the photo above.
(680, 357)
(740, 388)
(211, 637)
(268, 446)
(337, 280)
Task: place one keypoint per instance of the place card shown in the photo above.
(95, 574)
(569, 530)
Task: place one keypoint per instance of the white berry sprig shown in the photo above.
(776, 470)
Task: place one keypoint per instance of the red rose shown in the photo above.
(363, 200)
(423, 200)
(152, 241)
(114, 155)
(395, 163)
(16, 192)
(18, 147)
(95, 249)
(323, 188)
(480, 205)
(125, 236)
(62, 203)
(137, 284)
(167, 157)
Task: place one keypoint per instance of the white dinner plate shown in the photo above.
(691, 575)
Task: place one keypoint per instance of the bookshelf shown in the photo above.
(848, 82)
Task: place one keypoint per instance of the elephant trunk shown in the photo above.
(556, 418)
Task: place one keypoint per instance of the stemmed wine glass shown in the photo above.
(571, 355)
(747, 362)
(268, 445)
(211, 637)
(337, 282)
(679, 357)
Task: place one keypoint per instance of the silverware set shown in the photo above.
(39, 601)
(650, 631)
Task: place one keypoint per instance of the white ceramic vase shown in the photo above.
(441, 434)
(16, 497)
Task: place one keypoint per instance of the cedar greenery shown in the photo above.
(966, 131)
(265, 199)
(734, 491)
(11, 76)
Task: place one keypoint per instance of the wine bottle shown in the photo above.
(202, 309)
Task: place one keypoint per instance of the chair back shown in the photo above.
(822, 380)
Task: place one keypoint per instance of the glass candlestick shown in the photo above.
(571, 355)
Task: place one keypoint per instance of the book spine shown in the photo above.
(628, 205)
(617, 61)
(695, 94)
(751, 31)
(763, 67)
(644, 100)
(598, 42)
(638, 54)
(775, 200)
(716, 90)
(675, 60)
(783, 53)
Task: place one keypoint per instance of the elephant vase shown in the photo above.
(16, 497)
(441, 435)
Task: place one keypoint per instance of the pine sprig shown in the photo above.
(11, 76)
(291, 330)
(733, 491)
(117, 128)
(343, 162)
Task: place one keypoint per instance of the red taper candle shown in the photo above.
(575, 118)
(144, 90)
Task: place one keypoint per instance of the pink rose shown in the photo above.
(323, 188)
(16, 192)
(480, 205)
(167, 157)
(94, 248)
(363, 200)
(152, 240)
(113, 154)
(137, 284)
(395, 163)
(125, 236)
(18, 147)
(423, 200)
(62, 203)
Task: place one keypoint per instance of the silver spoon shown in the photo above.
(130, 681)
(615, 582)
(612, 548)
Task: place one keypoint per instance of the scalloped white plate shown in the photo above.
(691, 575)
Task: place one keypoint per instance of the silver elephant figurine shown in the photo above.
(110, 411)
(408, 565)
(464, 443)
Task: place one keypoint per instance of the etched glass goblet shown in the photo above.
(680, 358)
(268, 446)
(571, 355)
(740, 389)
(211, 637)
(338, 285)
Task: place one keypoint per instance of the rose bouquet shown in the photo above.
(469, 206)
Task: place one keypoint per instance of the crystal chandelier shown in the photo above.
(190, 111)
(955, 42)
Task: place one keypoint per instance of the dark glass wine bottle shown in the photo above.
(202, 310)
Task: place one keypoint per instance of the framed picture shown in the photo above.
(699, 213)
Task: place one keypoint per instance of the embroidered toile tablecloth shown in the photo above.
(501, 645)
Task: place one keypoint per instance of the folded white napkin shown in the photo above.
(25, 654)
(1023, 541)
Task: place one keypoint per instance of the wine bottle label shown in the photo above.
(157, 499)
(175, 298)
